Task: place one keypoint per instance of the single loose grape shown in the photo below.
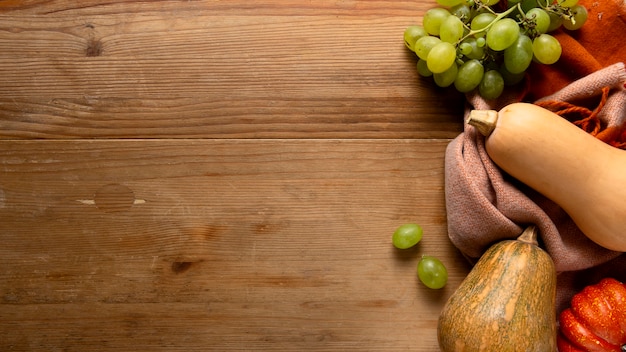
(446, 78)
(546, 49)
(502, 34)
(407, 236)
(441, 57)
(432, 272)
(412, 34)
(518, 56)
(451, 30)
(469, 76)
(424, 45)
(492, 85)
(433, 19)
(579, 17)
(541, 18)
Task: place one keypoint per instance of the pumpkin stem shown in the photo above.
(529, 235)
(624, 348)
(483, 120)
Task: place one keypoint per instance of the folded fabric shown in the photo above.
(485, 205)
(599, 43)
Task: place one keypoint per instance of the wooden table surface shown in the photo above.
(218, 176)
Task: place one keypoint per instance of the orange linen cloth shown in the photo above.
(601, 42)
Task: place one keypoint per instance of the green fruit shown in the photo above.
(407, 236)
(432, 272)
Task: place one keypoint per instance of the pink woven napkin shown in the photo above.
(485, 205)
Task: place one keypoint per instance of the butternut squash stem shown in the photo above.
(529, 236)
(483, 120)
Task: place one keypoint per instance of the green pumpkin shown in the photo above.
(506, 302)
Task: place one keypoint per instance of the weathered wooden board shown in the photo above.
(219, 245)
(179, 69)
(218, 176)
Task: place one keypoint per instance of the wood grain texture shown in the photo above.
(218, 176)
(215, 69)
(219, 245)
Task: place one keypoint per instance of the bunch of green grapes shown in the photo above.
(469, 44)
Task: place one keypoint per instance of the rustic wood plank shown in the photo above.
(262, 7)
(223, 245)
(214, 69)
(181, 242)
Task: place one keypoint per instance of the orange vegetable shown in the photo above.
(506, 302)
(596, 320)
(580, 173)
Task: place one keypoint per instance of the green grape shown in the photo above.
(555, 21)
(475, 52)
(511, 78)
(462, 11)
(477, 10)
(529, 4)
(546, 49)
(469, 76)
(407, 236)
(541, 19)
(465, 48)
(432, 272)
(424, 45)
(492, 85)
(447, 77)
(567, 3)
(512, 3)
(480, 42)
(481, 21)
(451, 30)
(412, 34)
(441, 57)
(518, 56)
(422, 68)
(579, 17)
(490, 2)
(433, 19)
(502, 34)
(450, 3)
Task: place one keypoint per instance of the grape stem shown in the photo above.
(498, 17)
(557, 9)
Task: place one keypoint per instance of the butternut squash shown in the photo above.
(583, 175)
(506, 302)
